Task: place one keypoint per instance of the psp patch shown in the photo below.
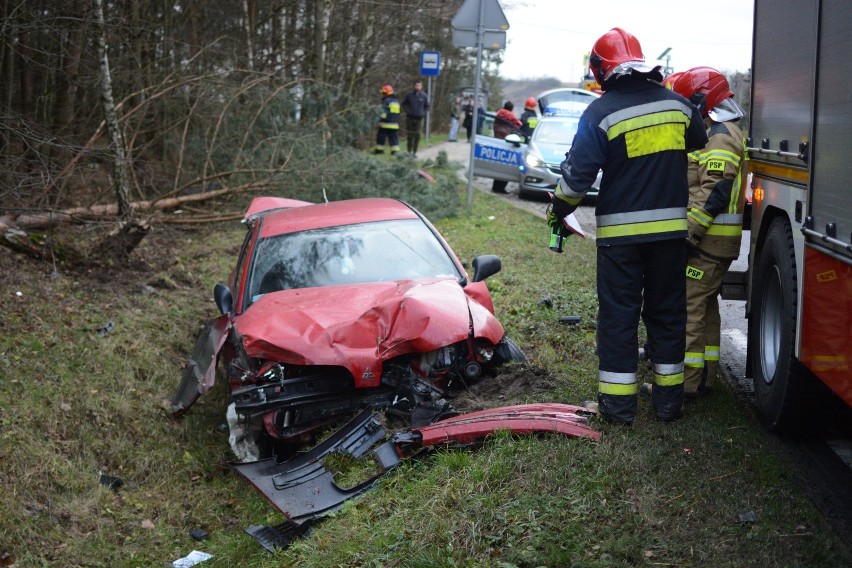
(694, 273)
(497, 155)
(715, 166)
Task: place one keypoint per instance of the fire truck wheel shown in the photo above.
(779, 389)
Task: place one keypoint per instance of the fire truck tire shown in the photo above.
(779, 390)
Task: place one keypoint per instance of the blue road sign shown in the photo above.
(430, 62)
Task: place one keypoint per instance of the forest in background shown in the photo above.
(210, 99)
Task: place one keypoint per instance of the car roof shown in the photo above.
(335, 213)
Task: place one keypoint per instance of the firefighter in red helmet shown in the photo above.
(388, 122)
(715, 217)
(638, 133)
(529, 118)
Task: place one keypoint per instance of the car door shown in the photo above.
(498, 159)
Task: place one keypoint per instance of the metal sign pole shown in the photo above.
(429, 104)
(479, 31)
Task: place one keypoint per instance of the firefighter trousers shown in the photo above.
(641, 280)
(389, 134)
(703, 323)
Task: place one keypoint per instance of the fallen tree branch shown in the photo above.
(46, 219)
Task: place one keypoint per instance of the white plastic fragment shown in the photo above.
(19, 293)
(191, 559)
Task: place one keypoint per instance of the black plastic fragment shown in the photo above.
(199, 534)
(278, 536)
(109, 481)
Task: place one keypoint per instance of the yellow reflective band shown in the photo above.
(668, 380)
(620, 390)
(826, 362)
(394, 108)
(719, 155)
(663, 118)
(694, 360)
(533, 122)
(653, 139)
(694, 273)
(651, 133)
(725, 230)
(700, 217)
(647, 228)
(572, 199)
(711, 353)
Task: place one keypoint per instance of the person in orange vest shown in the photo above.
(388, 122)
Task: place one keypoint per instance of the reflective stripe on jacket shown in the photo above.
(638, 133)
(390, 113)
(716, 192)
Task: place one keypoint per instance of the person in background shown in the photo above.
(388, 122)
(468, 117)
(505, 123)
(639, 134)
(416, 105)
(529, 118)
(455, 116)
(715, 219)
(480, 116)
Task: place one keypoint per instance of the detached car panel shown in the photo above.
(339, 307)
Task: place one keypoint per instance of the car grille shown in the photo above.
(555, 169)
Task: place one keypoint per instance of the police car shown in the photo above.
(534, 166)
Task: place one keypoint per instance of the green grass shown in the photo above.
(73, 403)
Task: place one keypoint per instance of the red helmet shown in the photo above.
(387, 90)
(530, 103)
(617, 52)
(703, 86)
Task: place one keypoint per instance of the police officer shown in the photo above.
(529, 118)
(715, 218)
(388, 122)
(638, 133)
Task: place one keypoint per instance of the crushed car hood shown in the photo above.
(359, 326)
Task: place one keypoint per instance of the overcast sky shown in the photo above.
(550, 37)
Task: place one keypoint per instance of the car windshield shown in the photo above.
(349, 254)
(555, 132)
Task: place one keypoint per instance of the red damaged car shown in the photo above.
(336, 307)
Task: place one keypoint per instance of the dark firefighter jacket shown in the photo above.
(716, 196)
(390, 113)
(529, 120)
(639, 134)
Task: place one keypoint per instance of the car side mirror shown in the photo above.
(514, 139)
(485, 265)
(223, 298)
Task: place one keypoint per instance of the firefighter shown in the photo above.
(715, 217)
(388, 122)
(529, 118)
(639, 134)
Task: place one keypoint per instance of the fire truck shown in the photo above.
(799, 279)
